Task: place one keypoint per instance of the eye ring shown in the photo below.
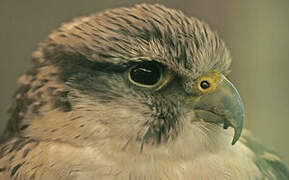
(150, 75)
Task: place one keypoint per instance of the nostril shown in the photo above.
(205, 84)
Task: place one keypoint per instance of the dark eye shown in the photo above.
(205, 84)
(146, 73)
(150, 74)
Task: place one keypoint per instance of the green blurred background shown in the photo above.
(256, 31)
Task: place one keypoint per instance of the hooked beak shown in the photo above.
(222, 106)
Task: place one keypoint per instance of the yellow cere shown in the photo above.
(212, 78)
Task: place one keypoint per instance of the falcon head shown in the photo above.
(132, 79)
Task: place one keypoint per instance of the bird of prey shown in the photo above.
(136, 93)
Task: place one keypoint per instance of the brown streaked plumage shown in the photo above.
(78, 116)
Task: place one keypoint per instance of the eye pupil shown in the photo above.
(147, 73)
(205, 84)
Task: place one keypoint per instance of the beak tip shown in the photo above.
(234, 140)
(237, 133)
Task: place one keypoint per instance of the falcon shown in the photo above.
(136, 93)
